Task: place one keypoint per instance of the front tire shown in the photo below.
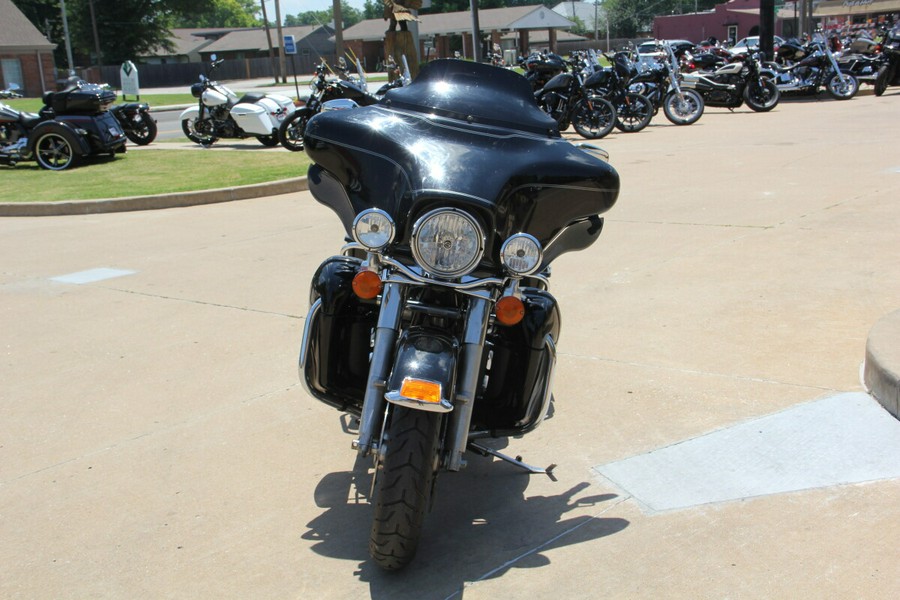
(56, 151)
(633, 113)
(762, 95)
(189, 127)
(142, 130)
(683, 109)
(403, 485)
(269, 141)
(594, 123)
(290, 134)
(842, 90)
(881, 81)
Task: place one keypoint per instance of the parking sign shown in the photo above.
(289, 46)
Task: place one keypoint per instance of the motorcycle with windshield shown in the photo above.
(633, 110)
(322, 90)
(660, 82)
(566, 99)
(220, 113)
(434, 328)
(889, 74)
(806, 68)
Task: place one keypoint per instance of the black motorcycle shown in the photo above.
(807, 68)
(735, 83)
(633, 111)
(565, 98)
(660, 82)
(72, 125)
(540, 67)
(434, 329)
(889, 74)
(322, 90)
(133, 117)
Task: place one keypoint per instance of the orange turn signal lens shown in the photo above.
(366, 284)
(509, 310)
(422, 390)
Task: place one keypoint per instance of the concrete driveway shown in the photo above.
(155, 441)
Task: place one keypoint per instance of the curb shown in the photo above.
(881, 373)
(173, 200)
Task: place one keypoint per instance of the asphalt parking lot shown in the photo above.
(712, 434)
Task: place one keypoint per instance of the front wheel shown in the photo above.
(290, 134)
(761, 95)
(192, 129)
(403, 485)
(142, 129)
(595, 120)
(881, 81)
(842, 87)
(684, 108)
(633, 112)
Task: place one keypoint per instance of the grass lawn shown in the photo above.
(146, 172)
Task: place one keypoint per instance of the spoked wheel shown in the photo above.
(403, 485)
(762, 95)
(593, 121)
(842, 87)
(193, 130)
(142, 129)
(633, 112)
(290, 134)
(56, 151)
(269, 141)
(685, 108)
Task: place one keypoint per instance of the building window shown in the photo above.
(731, 33)
(12, 72)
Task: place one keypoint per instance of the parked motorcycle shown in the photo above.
(221, 114)
(137, 123)
(633, 111)
(322, 90)
(566, 99)
(889, 74)
(736, 83)
(815, 67)
(11, 92)
(73, 124)
(660, 83)
(541, 67)
(434, 329)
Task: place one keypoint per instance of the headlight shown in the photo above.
(447, 242)
(521, 254)
(373, 228)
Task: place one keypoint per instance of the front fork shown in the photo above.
(386, 333)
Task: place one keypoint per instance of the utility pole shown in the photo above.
(281, 70)
(476, 31)
(62, 8)
(96, 35)
(338, 29)
(269, 39)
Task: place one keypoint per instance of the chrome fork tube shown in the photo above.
(477, 316)
(382, 359)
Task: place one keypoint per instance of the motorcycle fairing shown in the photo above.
(408, 160)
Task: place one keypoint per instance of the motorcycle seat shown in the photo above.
(251, 98)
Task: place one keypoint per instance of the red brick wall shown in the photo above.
(32, 85)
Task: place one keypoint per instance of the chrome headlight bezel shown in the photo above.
(533, 254)
(464, 263)
(376, 240)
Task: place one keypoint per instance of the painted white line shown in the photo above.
(92, 275)
(839, 440)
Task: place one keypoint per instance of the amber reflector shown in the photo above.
(366, 285)
(510, 310)
(419, 389)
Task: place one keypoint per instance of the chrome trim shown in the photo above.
(537, 264)
(395, 398)
(304, 345)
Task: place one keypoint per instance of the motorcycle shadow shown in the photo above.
(482, 524)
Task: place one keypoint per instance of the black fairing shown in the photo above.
(462, 134)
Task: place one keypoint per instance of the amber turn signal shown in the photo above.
(366, 284)
(420, 389)
(509, 310)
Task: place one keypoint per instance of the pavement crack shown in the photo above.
(204, 303)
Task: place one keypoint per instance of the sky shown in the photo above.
(293, 7)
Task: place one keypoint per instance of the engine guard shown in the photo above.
(424, 371)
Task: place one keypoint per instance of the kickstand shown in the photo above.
(517, 461)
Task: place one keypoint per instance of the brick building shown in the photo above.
(26, 57)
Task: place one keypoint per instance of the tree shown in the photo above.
(349, 15)
(224, 13)
(126, 28)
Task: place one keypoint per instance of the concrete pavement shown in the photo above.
(155, 441)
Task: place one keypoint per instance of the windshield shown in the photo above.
(456, 89)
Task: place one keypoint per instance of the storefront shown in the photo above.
(856, 15)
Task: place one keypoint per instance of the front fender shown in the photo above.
(424, 355)
(190, 113)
